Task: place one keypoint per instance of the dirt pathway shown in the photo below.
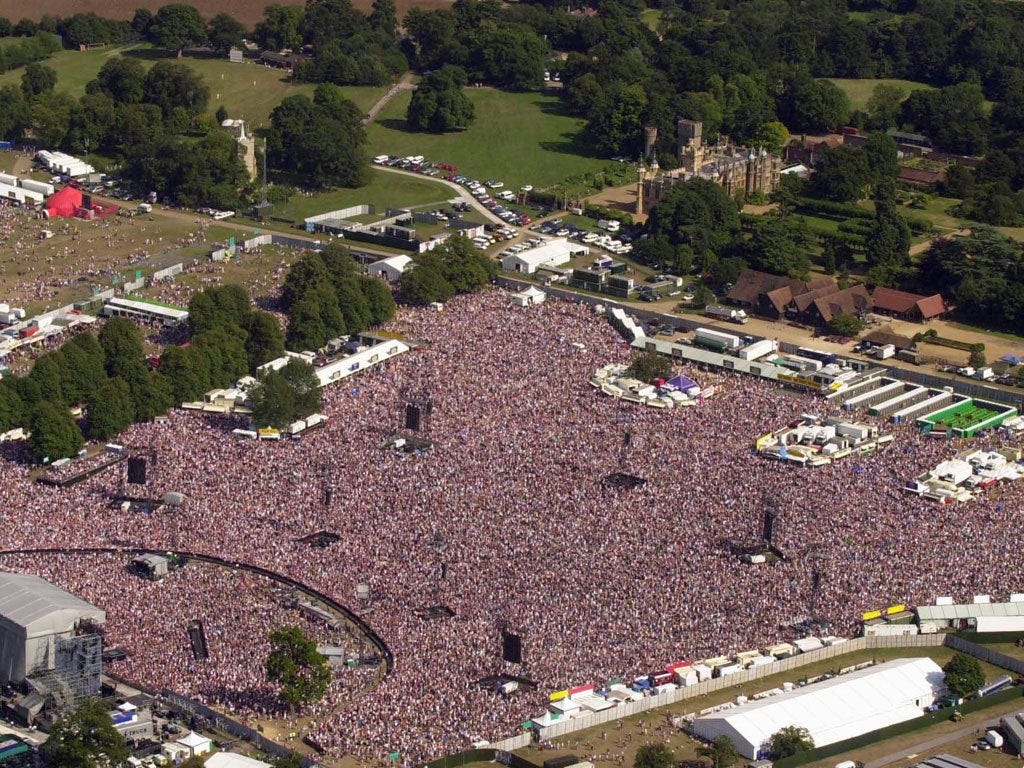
(404, 84)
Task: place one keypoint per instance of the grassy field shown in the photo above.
(858, 91)
(247, 90)
(519, 138)
(652, 18)
(385, 190)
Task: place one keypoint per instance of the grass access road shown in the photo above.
(519, 138)
(246, 90)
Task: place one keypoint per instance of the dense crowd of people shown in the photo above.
(506, 522)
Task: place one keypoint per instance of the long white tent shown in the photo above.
(833, 710)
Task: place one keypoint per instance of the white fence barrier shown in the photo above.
(747, 676)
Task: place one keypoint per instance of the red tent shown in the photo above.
(64, 203)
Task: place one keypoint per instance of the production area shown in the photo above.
(501, 539)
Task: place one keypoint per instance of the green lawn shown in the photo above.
(247, 90)
(858, 91)
(652, 18)
(385, 190)
(519, 138)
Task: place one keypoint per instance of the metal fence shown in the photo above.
(747, 676)
(985, 653)
(171, 271)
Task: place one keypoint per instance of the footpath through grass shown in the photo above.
(519, 138)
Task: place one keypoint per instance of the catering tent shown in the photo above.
(64, 204)
(833, 710)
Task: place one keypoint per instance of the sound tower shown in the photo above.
(511, 647)
(137, 470)
(770, 514)
(413, 417)
(197, 638)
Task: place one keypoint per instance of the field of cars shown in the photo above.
(485, 192)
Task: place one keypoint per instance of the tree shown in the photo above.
(37, 79)
(384, 17)
(790, 740)
(323, 140)
(977, 357)
(771, 136)
(12, 409)
(122, 346)
(963, 674)
(439, 103)
(649, 366)
(176, 26)
(654, 756)
(295, 664)
(380, 300)
(280, 28)
(305, 386)
(54, 434)
(883, 106)
(721, 752)
(265, 341)
(225, 32)
(846, 325)
(841, 174)
(170, 85)
(423, 284)
(110, 411)
(86, 738)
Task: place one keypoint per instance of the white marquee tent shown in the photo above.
(833, 710)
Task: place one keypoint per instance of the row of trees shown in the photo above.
(326, 297)
(321, 141)
(36, 48)
(106, 375)
(153, 121)
(456, 267)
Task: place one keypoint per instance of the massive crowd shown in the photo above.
(506, 522)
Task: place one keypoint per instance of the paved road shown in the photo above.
(927, 748)
(462, 193)
(404, 84)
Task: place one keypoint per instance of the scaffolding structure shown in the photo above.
(74, 676)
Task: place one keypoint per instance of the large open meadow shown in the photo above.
(247, 90)
(519, 138)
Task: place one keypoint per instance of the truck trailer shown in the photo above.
(725, 313)
(716, 339)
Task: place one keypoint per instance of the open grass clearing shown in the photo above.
(384, 190)
(652, 18)
(518, 138)
(246, 90)
(42, 274)
(858, 90)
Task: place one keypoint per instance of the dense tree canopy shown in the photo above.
(439, 104)
(295, 664)
(964, 674)
(321, 140)
(86, 738)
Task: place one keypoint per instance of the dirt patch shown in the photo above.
(246, 11)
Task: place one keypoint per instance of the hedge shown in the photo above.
(828, 209)
(908, 726)
(601, 212)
